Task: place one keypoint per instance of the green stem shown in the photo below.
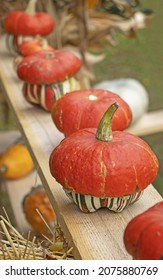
(104, 130)
(31, 7)
(49, 55)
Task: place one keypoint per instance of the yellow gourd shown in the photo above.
(15, 162)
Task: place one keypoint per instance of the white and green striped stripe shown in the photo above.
(37, 94)
(88, 203)
(13, 42)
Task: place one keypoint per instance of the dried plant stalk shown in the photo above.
(16, 247)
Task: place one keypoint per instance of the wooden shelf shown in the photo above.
(93, 236)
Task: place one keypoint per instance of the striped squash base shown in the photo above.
(88, 203)
(13, 42)
(46, 95)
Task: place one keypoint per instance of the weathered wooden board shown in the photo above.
(93, 236)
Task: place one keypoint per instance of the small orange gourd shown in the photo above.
(38, 199)
(15, 162)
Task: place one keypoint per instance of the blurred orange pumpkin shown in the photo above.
(29, 47)
(38, 199)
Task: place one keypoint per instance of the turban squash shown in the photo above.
(100, 168)
(143, 236)
(84, 109)
(24, 25)
(38, 199)
(15, 162)
(47, 75)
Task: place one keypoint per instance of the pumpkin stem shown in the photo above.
(104, 129)
(49, 55)
(30, 9)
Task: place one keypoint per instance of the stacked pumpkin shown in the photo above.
(47, 75)
(24, 25)
(101, 166)
(97, 167)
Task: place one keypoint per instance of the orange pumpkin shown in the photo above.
(84, 109)
(38, 199)
(143, 236)
(100, 168)
(29, 47)
(47, 75)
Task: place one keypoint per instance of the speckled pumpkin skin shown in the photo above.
(85, 108)
(143, 236)
(21, 23)
(48, 67)
(85, 165)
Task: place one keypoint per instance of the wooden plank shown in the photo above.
(93, 236)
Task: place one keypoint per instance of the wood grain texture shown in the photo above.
(93, 236)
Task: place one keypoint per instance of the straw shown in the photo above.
(15, 246)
